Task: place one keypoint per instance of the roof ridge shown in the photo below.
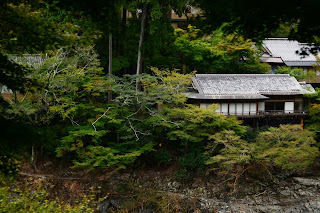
(278, 39)
(242, 75)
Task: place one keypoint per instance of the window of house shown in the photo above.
(274, 106)
(279, 106)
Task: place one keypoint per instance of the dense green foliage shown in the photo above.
(289, 147)
(298, 73)
(191, 124)
(21, 201)
(70, 90)
(257, 20)
(235, 151)
(313, 122)
(217, 53)
(69, 107)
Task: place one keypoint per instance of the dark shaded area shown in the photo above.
(258, 19)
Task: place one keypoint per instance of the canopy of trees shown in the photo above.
(111, 90)
(257, 20)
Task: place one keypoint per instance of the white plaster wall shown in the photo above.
(232, 108)
(288, 107)
(239, 109)
(224, 108)
(246, 108)
(253, 108)
(202, 105)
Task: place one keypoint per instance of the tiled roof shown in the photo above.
(244, 86)
(192, 95)
(288, 51)
(32, 60)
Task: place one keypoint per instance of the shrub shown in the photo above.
(191, 164)
(290, 147)
(163, 157)
(235, 150)
(22, 201)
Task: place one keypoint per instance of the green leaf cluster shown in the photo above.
(298, 73)
(192, 124)
(289, 147)
(70, 94)
(21, 201)
(235, 151)
(217, 53)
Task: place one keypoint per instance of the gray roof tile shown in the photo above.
(286, 49)
(245, 86)
(33, 60)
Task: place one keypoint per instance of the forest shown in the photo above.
(98, 88)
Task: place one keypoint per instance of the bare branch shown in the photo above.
(155, 114)
(24, 97)
(8, 99)
(103, 115)
(55, 96)
(133, 129)
(73, 122)
(134, 113)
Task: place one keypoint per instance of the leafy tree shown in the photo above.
(185, 130)
(228, 153)
(236, 151)
(298, 73)
(25, 28)
(289, 147)
(313, 122)
(36, 201)
(192, 126)
(191, 164)
(148, 40)
(22, 29)
(71, 94)
(217, 53)
(283, 31)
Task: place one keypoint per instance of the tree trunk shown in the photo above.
(33, 158)
(123, 30)
(110, 65)
(139, 62)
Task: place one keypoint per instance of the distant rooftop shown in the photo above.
(32, 60)
(288, 51)
(246, 86)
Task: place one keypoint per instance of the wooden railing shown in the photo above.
(286, 112)
(269, 112)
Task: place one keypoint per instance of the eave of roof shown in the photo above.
(225, 97)
(245, 86)
(272, 60)
(299, 63)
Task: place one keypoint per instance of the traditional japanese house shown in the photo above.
(284, 52)
(251, 95)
